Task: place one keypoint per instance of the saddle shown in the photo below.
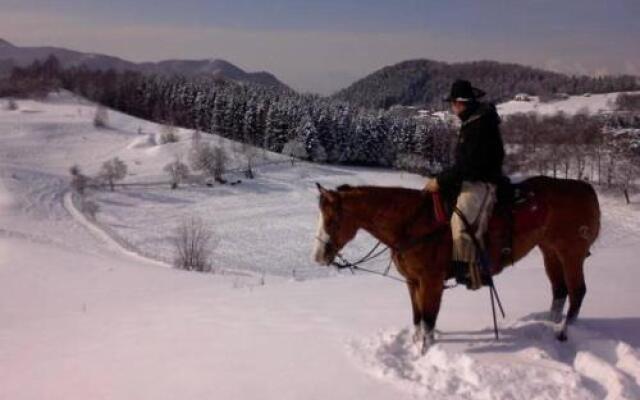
(518, 210)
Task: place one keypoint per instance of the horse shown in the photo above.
(559, 216)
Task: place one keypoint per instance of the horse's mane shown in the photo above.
(395, 203)
(381, 190)
(397, 197)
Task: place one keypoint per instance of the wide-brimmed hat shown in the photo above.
(461, 90)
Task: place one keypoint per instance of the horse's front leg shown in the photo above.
(430, 296)
(418, 331)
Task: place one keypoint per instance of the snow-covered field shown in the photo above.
(84, 316)
(592, 103)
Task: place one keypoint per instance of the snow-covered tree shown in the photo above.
(209, 159)
(112, 171)
(177, 171)
(307, 134)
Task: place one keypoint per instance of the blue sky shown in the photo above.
(324, 45)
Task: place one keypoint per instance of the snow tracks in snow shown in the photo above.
(527, 363)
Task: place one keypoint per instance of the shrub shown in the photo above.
(89, 208)
(194, 244)
(101, 117)
(12, 105)
(168, 135)
(78, 180)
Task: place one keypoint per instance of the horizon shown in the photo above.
(323, 47)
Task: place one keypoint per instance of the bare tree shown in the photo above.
(629, 171)
(220, 164)
(250, 154)
(626, 151)
(211, 160)
(194, 244)
(196, 137)
(78, 180)
(112, 171)
(101, 117)
(178, 172)
(201, 157)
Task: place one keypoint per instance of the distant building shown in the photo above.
(522, 97)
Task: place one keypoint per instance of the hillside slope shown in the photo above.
(82, 320)
(425, 82)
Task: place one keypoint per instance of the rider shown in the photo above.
(472, 179)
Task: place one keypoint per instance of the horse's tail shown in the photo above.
(593, 196)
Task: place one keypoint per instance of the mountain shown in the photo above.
(424, 83)
(11, 55)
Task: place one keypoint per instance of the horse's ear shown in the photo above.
(326, 193)
(321, 189)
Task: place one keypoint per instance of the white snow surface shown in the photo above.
(591, 103)
(88, 312)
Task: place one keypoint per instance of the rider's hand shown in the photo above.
(432, 185)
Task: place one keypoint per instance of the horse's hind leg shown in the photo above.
(555, 273)
(577, 288)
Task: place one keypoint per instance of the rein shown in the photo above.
(344, 263)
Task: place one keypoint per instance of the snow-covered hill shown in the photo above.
(81, 318)
(591, 103)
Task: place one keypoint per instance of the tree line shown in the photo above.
(582, 146)
(327, 130)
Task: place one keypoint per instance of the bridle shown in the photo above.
(343, 263)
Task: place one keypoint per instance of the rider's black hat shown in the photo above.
(461, 90)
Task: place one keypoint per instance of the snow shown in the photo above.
(594, 104)
(89, 310)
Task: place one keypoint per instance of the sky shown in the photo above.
(323, 46)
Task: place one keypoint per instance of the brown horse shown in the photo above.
(561, 217)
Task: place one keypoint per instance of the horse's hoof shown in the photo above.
(427, 341)
(418, 337)
(561, 336)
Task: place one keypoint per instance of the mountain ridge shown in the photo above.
(423, 82)
(20, 56)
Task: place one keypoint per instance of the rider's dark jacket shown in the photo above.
(479, 152)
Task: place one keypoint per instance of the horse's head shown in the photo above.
(335, 229)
